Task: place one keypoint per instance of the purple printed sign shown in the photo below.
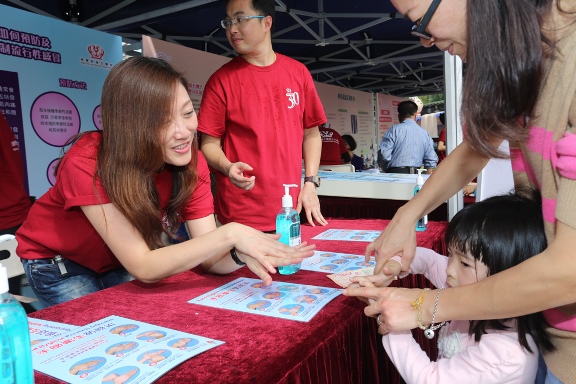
(97, 117)
(55, 118)
(51, 171)
(11, 107)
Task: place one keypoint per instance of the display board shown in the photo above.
(51, 77)
(351, 112)
(386, 112)
(197, 66)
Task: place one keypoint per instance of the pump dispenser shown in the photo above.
(288, 226)
(15, 355)
(422, 223)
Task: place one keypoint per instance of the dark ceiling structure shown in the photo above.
(363, 45)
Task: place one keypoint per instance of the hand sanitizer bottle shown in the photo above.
(15, 355)
(288, 225)
(422, 223)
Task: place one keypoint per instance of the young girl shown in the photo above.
(483, 239)
(120, 192)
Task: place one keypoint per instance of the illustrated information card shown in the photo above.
(330, 262)
(117, 350)
(348, 235)
(42, 330)
(283, 300)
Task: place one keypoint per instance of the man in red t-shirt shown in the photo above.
(334, 149)
(259, 119)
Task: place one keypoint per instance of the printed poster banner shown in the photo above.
(351, 112)
(386, 113)
(197, 66)
(51, 77)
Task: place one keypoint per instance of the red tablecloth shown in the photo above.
(339, 345)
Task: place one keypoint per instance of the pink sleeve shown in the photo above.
(566, 152)
(430, 264)
(496, 359)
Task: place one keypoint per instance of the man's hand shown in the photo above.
(308, 199)
(237, 177)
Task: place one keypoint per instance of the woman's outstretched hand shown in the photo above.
(392, 306)
(398, 238)
(262, 252)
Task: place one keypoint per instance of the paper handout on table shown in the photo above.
(343, 278)
(42, 330)
(117, 349)
(283, 300)
(329, 262)
(348, 235)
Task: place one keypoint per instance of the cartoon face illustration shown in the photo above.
(287, 288)
(292, 309)
(306, 299)
(273, 295)
(365, 263)
(258, 305)
(317, 291)
(328, 267)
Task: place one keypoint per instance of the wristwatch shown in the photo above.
(313, 179)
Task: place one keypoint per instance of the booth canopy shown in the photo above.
(359, 44)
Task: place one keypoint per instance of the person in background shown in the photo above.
(259, 118)
(483, 239)
(120, 192)
(334, 149)
(351, 145)
(15, 201)
(405, 147)
(441, 149)
(525, 94)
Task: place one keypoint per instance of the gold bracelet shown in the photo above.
(417, 305)
(418, 302)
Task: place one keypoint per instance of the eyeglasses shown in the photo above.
(418, 30)
(238, 20)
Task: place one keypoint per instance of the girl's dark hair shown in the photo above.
(504, 72)
(350, 141)
(501, 232)
(137, 102)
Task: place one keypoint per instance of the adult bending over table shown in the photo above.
(120, 193)
(520, 85)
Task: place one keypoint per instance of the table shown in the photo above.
(390, 186)
(339, 345)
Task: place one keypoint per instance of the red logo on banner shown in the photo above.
(384, 112)
(96, 52)
(395, 103)
(384, 119)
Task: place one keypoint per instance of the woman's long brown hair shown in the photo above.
(137, 102)
(504, 69)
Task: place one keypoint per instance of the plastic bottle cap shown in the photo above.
(3, 279)
(420, 179)
(287, 198)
